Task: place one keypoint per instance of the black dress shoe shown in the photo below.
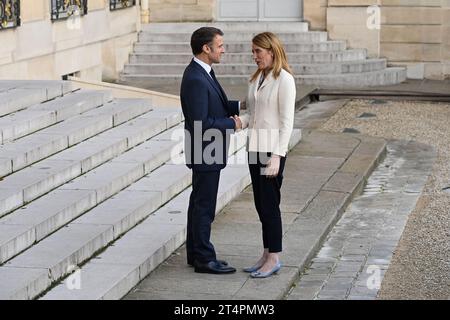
(222, 262)
(212, 267)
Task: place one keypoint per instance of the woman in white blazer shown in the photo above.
(270, 120)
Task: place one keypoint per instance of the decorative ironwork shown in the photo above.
(9, 14)
(121, 4)
(63, 9)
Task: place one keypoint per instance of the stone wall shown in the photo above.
(412, 35)
(94, 47)
(182, 10)
(315, 13)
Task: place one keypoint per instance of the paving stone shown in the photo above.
(173, 295)
(303, 293)
(363, 291)
(236, 233)
(326, 145)
(326, 206)
(345, 182)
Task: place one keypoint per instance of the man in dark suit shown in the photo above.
(209, 120)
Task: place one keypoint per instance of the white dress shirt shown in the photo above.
(204, 65)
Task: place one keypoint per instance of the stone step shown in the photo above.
(108, 220)
(79, 240)
(21, 187)
(37, 117)
(142, 249)
(248, 69)
(388, 76)
(16, 95)
(34, 222)
(228, 58)
(56, 86)
(242, 47)
(28, 184)
(244, 36)
(27, 150)
(374, 78)
(227, 27)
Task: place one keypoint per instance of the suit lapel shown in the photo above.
(266, 81)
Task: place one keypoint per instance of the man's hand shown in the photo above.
(273, 166)
(237, 123)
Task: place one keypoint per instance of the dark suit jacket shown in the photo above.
(204, 102)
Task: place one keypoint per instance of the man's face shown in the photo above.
(216, 49)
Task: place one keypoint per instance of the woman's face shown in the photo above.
(262, 57)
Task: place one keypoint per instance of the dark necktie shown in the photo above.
(213, 75)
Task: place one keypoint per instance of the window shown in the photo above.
(63, 9)
(9, 14)
(121, 4)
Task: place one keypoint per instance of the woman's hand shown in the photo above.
(273, 166)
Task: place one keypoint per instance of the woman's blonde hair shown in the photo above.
(269, 41)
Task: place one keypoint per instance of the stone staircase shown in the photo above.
(90, 181)
(163, 51)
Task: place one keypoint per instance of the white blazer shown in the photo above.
(270, 117)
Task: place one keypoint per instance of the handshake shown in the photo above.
(237, 123)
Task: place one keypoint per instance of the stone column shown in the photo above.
(145, 12)
(315, 13)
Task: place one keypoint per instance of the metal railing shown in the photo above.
(121, 4)
(9, 14)
(63, 9)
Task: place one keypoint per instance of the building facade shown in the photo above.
(50, 39)
(53, 38)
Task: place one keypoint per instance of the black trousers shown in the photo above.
(201, 213)
(267, 196)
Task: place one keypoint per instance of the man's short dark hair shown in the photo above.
(202, 36)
